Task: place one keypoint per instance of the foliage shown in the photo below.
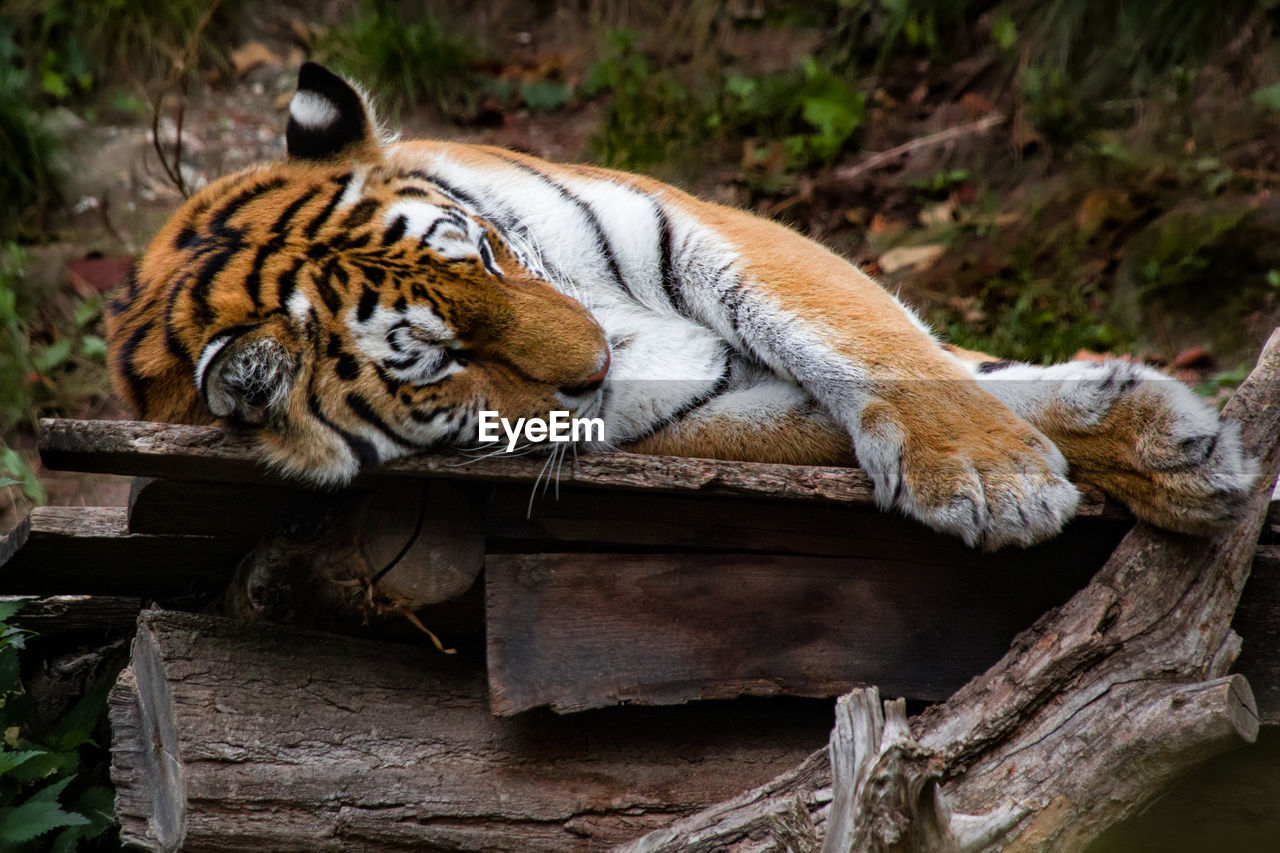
(405, 56)
(74, 51)
(40, 791)
(50, 356)
(28, 178)
(657, 115)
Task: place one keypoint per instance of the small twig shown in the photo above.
(178, 73)
(875, 161)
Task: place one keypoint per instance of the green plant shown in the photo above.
(28, 178)
(41, 791)
(50, 357)
(405, 57)
(657, 115)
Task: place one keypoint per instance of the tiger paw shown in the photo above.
(1149, 441)
(967, 466)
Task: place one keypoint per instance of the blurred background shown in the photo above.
(1043, 179)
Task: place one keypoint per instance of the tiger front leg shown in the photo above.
(950, 455)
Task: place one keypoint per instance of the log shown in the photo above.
(1093, 712)
(231, 737)
(90, 551)
(212, 453)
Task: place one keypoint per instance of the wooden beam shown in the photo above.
(90, 551)
(76, 614)
(212, 453)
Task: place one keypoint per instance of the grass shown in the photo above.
(405, 56)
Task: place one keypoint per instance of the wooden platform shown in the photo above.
(647, 580)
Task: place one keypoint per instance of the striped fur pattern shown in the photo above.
(365, 299)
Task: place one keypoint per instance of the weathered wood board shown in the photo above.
(586, 630)
(211, 453)
(90, 551)
(247, 738)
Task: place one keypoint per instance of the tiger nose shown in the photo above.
(592, 382)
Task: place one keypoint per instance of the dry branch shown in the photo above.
(1095, 710)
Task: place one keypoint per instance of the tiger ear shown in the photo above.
(328, 117)
(246, 377)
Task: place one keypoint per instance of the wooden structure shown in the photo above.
(631, 580)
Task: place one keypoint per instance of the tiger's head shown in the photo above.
(345, 310)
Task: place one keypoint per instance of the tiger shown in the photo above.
(366, 298)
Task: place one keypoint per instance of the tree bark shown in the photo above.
(1093, 712)
(232, 737)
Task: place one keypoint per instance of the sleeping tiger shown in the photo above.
(365, 299)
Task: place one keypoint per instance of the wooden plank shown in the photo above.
(584, 519)
(76, 614)
(196, 508)
(90, 551)
(586, 630)
(212, 453)
(576, 631)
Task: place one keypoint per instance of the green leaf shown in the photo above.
(54, 84)
(1004, 32)
(46, 765)
(544, 96)
(94, 348)
(50, 793)
(52, 356)
(9, 760)
(86, 310)
(1268, 97)
(77, 726)
(20, 824)
(98, 805)
(9, 608)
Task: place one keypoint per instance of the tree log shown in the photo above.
(231, 737)
(1093, 712)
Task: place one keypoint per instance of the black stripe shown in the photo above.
(253, 281)
(993, 366)
(427, 416)
(314, 226)
(281, 225)
(324, 286)
(669, 284)
(368, 302)
(364, 450)
(395, 231)
(218, 221)
(214, 264)
(361, 213)
(593, 221)
(392, 384)
(413, 192)
(689, 407)
(347, 367)
(287, 282)
(360, 406)
(376, 275)
(124, 365)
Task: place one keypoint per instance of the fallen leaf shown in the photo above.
(911, 257)
(1192, 357)
(977, 104)
(881, 225)
(250, 55)
(92, 276)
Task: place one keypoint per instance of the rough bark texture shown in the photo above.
(234, 737)
(1096, 708)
